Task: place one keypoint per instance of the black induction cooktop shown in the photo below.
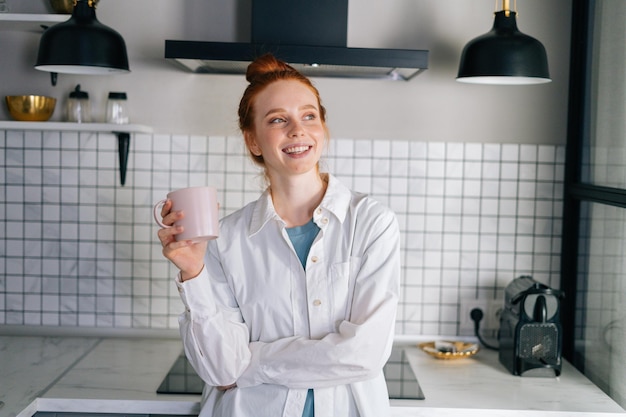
(401, 381)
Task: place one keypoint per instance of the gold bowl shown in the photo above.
(449, 350)
(62, 6)
(31, 108)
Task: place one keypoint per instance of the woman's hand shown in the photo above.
(186, 255)
(226, 387)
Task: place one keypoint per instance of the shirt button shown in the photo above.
(314, 259)
(317, 303)
(325, 220)
(319, 210)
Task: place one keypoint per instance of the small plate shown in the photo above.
(449, 350)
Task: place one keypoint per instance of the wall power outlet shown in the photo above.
(489, 325)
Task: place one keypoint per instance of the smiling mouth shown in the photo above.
(296, 150)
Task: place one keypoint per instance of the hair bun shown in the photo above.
(266, 64)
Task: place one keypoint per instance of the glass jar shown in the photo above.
(78, 107)
(117, 108)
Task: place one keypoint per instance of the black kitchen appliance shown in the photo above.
(530, 330)
(401, 381)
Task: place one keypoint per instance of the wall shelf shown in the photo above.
(30, 21)
(122, 131)
(75, 127)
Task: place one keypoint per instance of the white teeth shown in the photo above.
(296, 149)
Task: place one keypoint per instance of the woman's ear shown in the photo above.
(251, 144)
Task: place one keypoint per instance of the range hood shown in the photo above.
(310, 36)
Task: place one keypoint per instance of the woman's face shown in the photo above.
(288, 131)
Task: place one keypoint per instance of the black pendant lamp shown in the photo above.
(504, 55)
(82, 45)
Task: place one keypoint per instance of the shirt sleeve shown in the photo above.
(362, 344)
(214, 335)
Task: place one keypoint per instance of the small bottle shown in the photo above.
(117, 108)
(78, 108)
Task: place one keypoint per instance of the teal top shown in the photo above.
(302, 238)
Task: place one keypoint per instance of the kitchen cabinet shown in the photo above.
(122, 131)
(54, 414)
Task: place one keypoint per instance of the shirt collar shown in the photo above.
(336, 200)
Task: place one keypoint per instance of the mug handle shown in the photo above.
(157, 216)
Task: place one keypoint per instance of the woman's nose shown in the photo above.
(296, 129)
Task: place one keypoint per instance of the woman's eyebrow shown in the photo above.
(277, 110)
(281, 110)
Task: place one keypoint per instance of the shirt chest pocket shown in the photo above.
(342, 280)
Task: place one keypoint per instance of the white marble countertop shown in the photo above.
(481, 386)
(29, 366)
(114, 375)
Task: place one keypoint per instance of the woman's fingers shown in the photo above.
(168, 235)
(166, 207)
(172, 217)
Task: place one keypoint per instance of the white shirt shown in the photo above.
(256, 318)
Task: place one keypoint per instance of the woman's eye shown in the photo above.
(310, 116)
(277, 120)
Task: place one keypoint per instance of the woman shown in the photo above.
(291, 311)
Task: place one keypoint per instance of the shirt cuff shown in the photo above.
(252, 376)
(197, 295)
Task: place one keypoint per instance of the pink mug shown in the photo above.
(200, 207)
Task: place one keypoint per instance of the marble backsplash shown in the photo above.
(78, 249)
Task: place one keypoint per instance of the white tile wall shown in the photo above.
(78, 249)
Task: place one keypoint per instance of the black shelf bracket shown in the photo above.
(123, 146)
